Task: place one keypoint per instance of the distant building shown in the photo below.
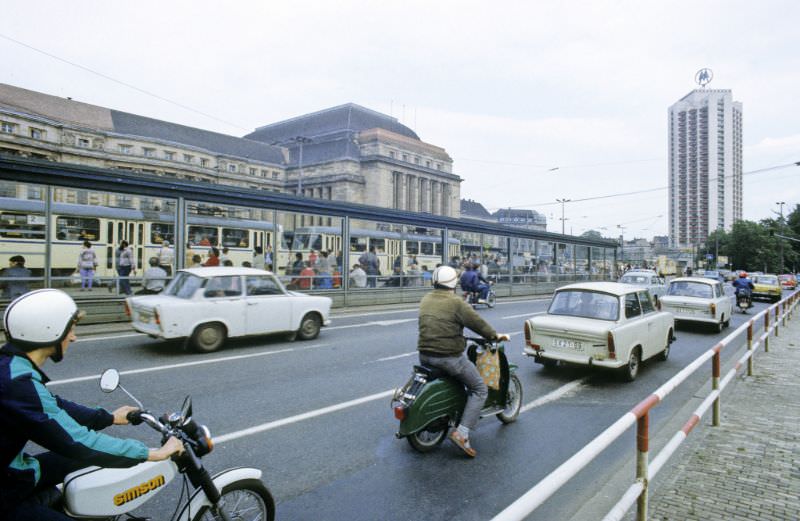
(528, 219)
(475, 210)
(705, 165)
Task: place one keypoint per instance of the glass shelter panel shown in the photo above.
(23, 234)
(582, 270)
(523, 260)
(495, 258)
(546, 268)
(311, 255)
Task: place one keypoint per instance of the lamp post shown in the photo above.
(621, 244)
(300, 140)
(780, 204)
(562, 201)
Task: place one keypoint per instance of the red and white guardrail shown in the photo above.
(640, 414)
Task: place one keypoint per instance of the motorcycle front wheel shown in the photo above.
(245, 500)
(513, 402)
(428, 438)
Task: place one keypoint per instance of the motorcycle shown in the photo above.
(110, 493)
(744, 300)
(472, 297)
(431, 402)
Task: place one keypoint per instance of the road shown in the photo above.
(315, 418)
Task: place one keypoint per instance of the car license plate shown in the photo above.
(685, 311)
(562, 343)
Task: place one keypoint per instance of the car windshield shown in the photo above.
(635, 279)
(769, 281)
(586, 304)
(184, 285)
(686, 288)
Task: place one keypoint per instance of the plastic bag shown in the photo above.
(488, 364)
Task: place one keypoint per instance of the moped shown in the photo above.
(110, 493)
(472, 297)
(744, 300)
(431, 402)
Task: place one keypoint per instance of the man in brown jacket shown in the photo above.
(442, 319)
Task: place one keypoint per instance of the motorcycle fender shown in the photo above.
(444, 397)
(198, 498)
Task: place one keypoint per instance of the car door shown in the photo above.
(222, 297)
(269, 308)
(724, 302)
(654, 329)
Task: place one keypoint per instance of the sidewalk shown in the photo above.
(748, 468)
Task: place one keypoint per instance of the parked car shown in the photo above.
(767, 287)
(600, 324)
(698, 299)
(646, 279)
(788, 281)
(208, 305)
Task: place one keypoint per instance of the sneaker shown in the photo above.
(462, 443)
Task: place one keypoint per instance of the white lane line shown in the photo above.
(523, 315)
(376, 323)
(553, 395)
(412, 353)
(177, 366)
(98, 338)
(300, 417)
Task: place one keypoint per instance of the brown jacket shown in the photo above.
(442, 319)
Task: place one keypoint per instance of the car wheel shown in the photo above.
(720, 326)
(663, 355)
(631, 369)
(727, 322)
(208, 337)
(309, 327)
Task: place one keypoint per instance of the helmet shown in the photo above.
(743, 275)
(445, 276)
(41, 318)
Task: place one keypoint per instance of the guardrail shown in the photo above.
(640, 414)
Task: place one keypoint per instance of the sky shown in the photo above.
(534, 101)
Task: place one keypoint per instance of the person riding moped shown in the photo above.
(40, 325)
(743, 283)
(473, 282)
(442, 319)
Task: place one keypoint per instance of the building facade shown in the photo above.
(705, 165)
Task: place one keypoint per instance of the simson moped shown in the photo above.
(431, 402)
(110, 493)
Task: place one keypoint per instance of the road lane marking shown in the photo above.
(184, 364)
(553, 395)
(375, 323)
(412, 353)
(98, 338)
(523, 315)
(300, 417)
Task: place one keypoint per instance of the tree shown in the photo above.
(592, 234)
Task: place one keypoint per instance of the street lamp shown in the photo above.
(621, 243)
(781, 203)
(301, 140)
(562, 201)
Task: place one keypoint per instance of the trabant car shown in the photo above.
(646, 279)
(600, 324)
(208, 305)
(788, 281)
(767, 287)
(695, 299)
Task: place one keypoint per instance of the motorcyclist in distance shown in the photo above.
(743, 283)
(441, 344)
(41, 325)
(472, 281)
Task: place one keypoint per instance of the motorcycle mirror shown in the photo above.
(186, 409)
(109, 380)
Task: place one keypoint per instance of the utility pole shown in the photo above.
(562, 201)
(780, 223)
(622, 244)
(300, 140)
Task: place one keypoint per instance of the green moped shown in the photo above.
(431, 402)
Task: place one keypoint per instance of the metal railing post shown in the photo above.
(750, 348)
(777, 318)
(783, 316)
(642, 451)
(766, 330)
(715, 362)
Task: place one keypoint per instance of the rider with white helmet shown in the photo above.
(442, 319)
(40, 325)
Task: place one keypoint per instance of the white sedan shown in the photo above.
(646, 279)
(695, 299)
(209, 305)
(602, 324)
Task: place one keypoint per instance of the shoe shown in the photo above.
(462, 443)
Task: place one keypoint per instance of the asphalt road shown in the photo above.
(323, 464)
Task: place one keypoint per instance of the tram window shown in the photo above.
(378, 244)
(358, 244)
(235, 238)
(160, 233)
(437, 249)
(77, 229)
(21, 225)
(426, 248)
(202, 236)
(307, 241)
(412, 247)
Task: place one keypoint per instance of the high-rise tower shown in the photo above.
(705, 165)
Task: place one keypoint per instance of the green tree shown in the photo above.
(750, 247)
(592, 234)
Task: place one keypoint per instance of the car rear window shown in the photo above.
(770, 281)
(634, 279)
(585, 304)
(690, 289)
(184, 285)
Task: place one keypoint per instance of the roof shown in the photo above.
(474, 209)
(613, 288)
(216, 271)
(704, 280)
(350, 117)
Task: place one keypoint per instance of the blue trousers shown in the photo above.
(17, 504)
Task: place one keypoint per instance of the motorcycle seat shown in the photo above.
(431, 373)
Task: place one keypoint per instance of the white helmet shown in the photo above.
(445, 276)
(41, 318)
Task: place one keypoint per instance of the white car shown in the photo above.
(600, 324)
(209, 305)
(695, 299)
(646, 279)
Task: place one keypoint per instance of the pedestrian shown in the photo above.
(87, 262)
(358, 277)
(16, 270)
(426, 275)
(297, 265)
(197, 261)
(306, 276)
(213, 257)
(126, 264)
(166, 256)
(154, 279)
(369, 260)
(312, 259)
(224, 256)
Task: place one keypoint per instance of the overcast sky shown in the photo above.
(510, 89)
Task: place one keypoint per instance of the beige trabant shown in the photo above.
(600, 324)
(696, 299)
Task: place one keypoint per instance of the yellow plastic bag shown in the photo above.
(488, 364)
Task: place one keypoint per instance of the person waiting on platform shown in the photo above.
(16, 270)
(154, 279)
